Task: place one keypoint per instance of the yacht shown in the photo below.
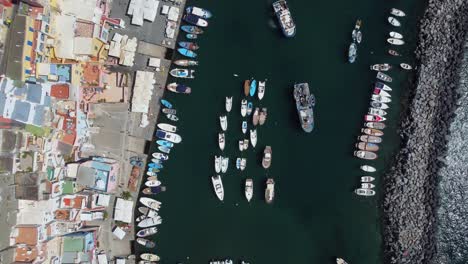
(223, 122)
(285, 19)
(218, 187)
(221, 141)
(248, 189)
(270, 190)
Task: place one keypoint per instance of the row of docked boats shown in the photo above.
(356, 38)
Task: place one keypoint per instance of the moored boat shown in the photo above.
(405, 66)
(224, 164)
(243, 164)
(376, 111)
(169, 136)
(147, 232)
(172, 117)
(145, 242)
(165, 143)
(201, 12)
(384, 77)
(246, 87)
(379, 98)
(149, 257)
(378, 105)
(397, 12)
(195, 20)
(262, 116)
(147, 211)
(166, 103)
(187, 52)
(267, 155)
(367, 146)
(244, 127)
(352, 52)
(249, 108)
(367, 155)
(372, 132)
(191, 36)
(261, 90)
(188, 45)
(238, 163)
(371, 139)
(253, 137)
(368, 168)
(243, 107)
(367, 179)
(248, 189)
(223, 122)
(218, 160)
(253, 87)
(150, 203)
(270, 190)
(179, 88)
(228, 104)
(366, 185)
(256, 117)
(284, 18)
(393, 21)
(375, 125)
(304, 105)
(246, 144)
(395, 41)
(356, 34)
(186, 63)
(221, 141)
(169, 111)
(364, 192)
(167, 127)
(382, 86)
(191, 29)
(164, 149)
(218, 187)
(395, 35)
(154, 160)
(340, 261)
(241, 145)
(374, 118)
(150, 221)
(154, 190)
(182, 73)
(393, 52)
(381, 67)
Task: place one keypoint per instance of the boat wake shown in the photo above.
(272, 24)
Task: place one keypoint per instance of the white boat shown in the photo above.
(379, 98)
(167, 127)
(381, 67)
(147, 232)
(406, 66)
(221, 141)
(395, 41)
(152, 183)
(266, 161)
(228, 104)
(150, 221)
(224, 164)
(397, 12)
(366, 185)
(246, 144)
(375, 125)
(238, 163)
(241, 145)
(244, 127)
(147, 211)
(248, 189)
(368, 168)
(364, 192)
(151, 173)
(381, 92)
(218, 163)
(218, 186)
(160, 156)
(393, 21)
(261, 90)
(379, 105)
(150, 203)
(384, 77)
(243, 108)
(141, 217)
(154, 160)
(396, 35)
(367, 179)
(243, 164)
(169, 136)
(376, 111)
(152, 178)
(223, 122)
(383, 86)
(253, 137)
(149, 257)
(270, 190)
(145, 242)
(340, 261)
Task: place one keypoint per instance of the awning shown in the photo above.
(123, 211)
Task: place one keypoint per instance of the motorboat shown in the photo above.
(201, 12)
(367, 155)
(371, 139)
(376, 111)
(395, 35)
(243, 164)
(154, 190)
(270, 190)
(246, 144)
(395, 41)
(340, 261)
(397, 12)
(228, 104)
(384, 77)
(139, 218)
(284, 18)
(249, 108)
(356, 34)
(248, 189)
(266, 161)
(155, 165)
(152, 178)
(223, 122)
(195, 20)
(383, 86)
(187, 53)
(253, 137)
(188, 45)
(167, 127)
(191, 29)
(305, 101)
(372, 132)
(165, 143)
(253, 87)
(150, 203)
(151, 174)
(160, 156)
(218, 160)
(221, 141)
(256, 117)
(149, 257)
(352, 52)
(186, 63)
(378, 105)
(381, 99)
(150, 221)
(147, 232)
(172, 117)
(367, 179)
(246, 87)
(261, 90)
(145, 242)
(218, 186)
(179, 88)
(152, 183)
(244, 127)
(263, 116)
(366, 185)
(166, 103)
(164, 149)
(238, 163)
(393, 52)
(224, 164)
(393, 21)
(375, 125)
(243, 107)
(154, 160)
(169, 136)
(169, 111)
(182, 73)
(406, 66)
(381, 67)
(191, 36)
(241, 145)
(364, 192)
(374, 118)
(147, 211)
(367, 146)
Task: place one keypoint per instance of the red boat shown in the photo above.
(374, 118)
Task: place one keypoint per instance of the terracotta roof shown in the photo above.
(61, 91)
(25, 254)
(27, 235)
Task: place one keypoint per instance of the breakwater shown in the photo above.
(410, 197)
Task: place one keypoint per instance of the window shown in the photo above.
(27, 58)
(27, 71)
(29, 43)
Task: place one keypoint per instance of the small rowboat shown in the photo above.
(372, 132)
(367, 155)
(367, 146)
(370, 139)
(395, 41)
(368, 168)
(396, 35)
(393, 21)
(397, 12)
(406, 66)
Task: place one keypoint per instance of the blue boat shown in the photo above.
(165, 143)
(155, 165)
(191, 36)
(201, 12)
(191, 29)
(187, 53)
(253, 87)
(154, 170)
(188, 45)
(166, 103)
(164, 149)
(249, 108)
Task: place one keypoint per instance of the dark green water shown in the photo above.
(315, 216)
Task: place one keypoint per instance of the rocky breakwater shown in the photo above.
(410, 196)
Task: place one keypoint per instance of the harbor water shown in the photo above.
(315, 216)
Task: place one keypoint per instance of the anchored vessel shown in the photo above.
(285, 19)
(304, 104)
(270, 190)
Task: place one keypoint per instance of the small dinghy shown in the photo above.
(248, 189)
(169, 136)
(367, 179)
(370, 139)
(406, 66)
(366, 185)
(172, 117)
(221, 141)
(151, 174)
(188, 45)
(383, 86)
(367, 155)
(224, 164)
(246, 144)
(243, 107)
(241, 145)
(244, 127)
(364, 192)
(238, 163)
(150, 203)
(393, 21)
(367, 146)
(253, 137)
(191, 29)
(160, 156)
(381, 99)
(352, 53)
(228, 104)
(165, 143)
(395, 41)
(218, 163)
(166, 103)
(218, 187)
(395, 35)
(266, 161)
(187, 53)
(154, 190)
(397, 12)
(374, 118)
(246, 87)
(375, 125)
(378, 105)
(261, 90)
(150, 221)
(152, 183)
(154, 160)
(195, 20)
(167, 127)
(149, 257)
(145, 242)
(182, 73)
(147, 232)
(191, 36)
(381, 67)
(164, 149)
(263, 116)
(253, 87)
(393, 52)
(270, 190)
(201, 12)
(376, 111)
(223, 122)
(384, 77)
(249, 108)
(169, 111)
(243, 164)
(256, 116)
(186, 63)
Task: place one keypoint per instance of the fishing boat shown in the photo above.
(366, 185)
(375, 125)
(145, 242)
(147, 232)
(270, 190)
(340, 261)
(195, 20)
(397, 12)
(192, 29)
(191, 36)
(367, 155)
(379, 98)
(393, 21)
(393, 52)
(352, 52)
(244, 127)
(253, 137)
(147, 211)
(228, 104)
(241, 145)
(405, 66)
(201, 12)
(266, 161)
(224, 164)
(374, 118)
(166, 103)
(149, 257)
(383, 86)
(165, 143)
(221, 141)
(243, 107)
(246, 87)
(223, 122)
(169, 111)
(367, 179)
(370, 139)
(253, 87)
(150, 221)
(395, 41)
(243, 164)
(172, 117)
(376, 111)
(218, 163)
(164, 149)
(160, 156)
(154, 190)
(256, 116)
(246, 144)
(238, 163)
(261, 90)
(186, 63)
(263, 116)
(381, 67)
(187, 52)
(248, 189)
(304, 105)
(218, 186)
(356, 34)
(169, 136)
(152, 183)
(367, 146)
(384, 77)
(364, 192)
(368, 168)
(395, 35)
(179, 88)
(284, 18)
(249, 108)
(378, 105)
(188, 45)
(167, 127)
(182, 73)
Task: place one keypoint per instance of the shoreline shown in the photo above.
(410, 187)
